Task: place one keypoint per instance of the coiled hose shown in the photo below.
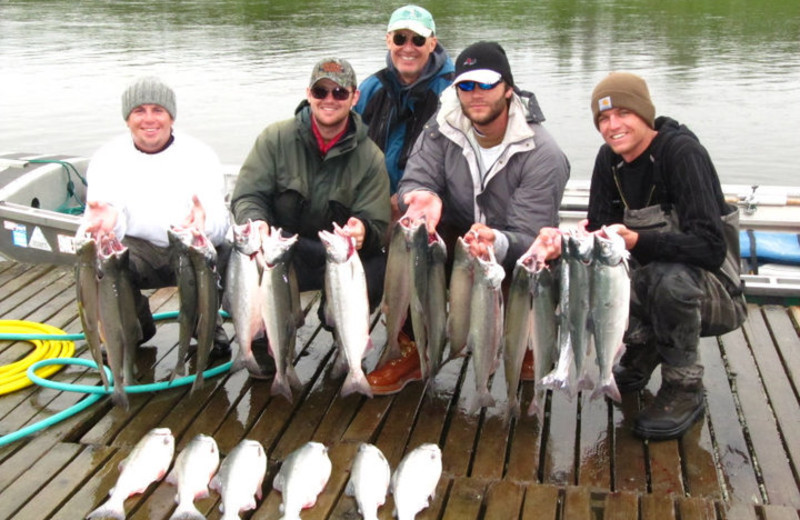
(40, 367)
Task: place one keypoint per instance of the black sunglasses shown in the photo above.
(400, 39)
(469, 86)
(339, 93)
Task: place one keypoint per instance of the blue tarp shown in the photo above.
(770, 246)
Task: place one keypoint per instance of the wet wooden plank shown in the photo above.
(559, 461)
(437, 405)
(664, 456)
(65, 483)
(778, 385)
(504, 499)
(526, 438)
(657, 507)
(541, 501)
(699, 469)
(622, 505)
(696, 508)
(785, 334)
(577, 503)
(459, 445)
(20, 492)
(465, 499)
(770, 512)
(492, 440)
(733, 455)
(630, 461)
(763, 431)
(596, 438)
(93, 491)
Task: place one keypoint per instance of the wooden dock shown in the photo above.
(741, 461)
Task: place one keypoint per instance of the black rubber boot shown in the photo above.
(145, 318)
(222, 345)
(636, 366)
(266, 364)
(677, 406)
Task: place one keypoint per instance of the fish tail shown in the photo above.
(187, 512)
(356, 381)
(245, 360)
(280, 385)
(514, 407)
(199, 379)
(113, 508)
(609, 388)
(484, 399)
(119, 397)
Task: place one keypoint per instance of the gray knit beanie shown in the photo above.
(145, 91)
(623, 90)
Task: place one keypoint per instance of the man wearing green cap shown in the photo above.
(397, 101)
(655, 185)
(319, 167)
(150, 179)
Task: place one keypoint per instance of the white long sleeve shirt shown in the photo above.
(154, 191)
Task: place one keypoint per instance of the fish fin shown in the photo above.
(356, 382)
(350, 489)
(244, 360)
(277, 482)
(607, 387)
(199, 379)
(112, 508)
(291, 377)
(484, 399)
(340, 365)
(119, 397)
(514, 407)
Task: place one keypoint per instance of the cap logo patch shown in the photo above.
(470, 61)
(332, 67)
(604, 103)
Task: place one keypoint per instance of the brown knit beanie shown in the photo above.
(623, 90)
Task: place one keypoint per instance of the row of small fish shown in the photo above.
(557, 315)
(263, 299)
(415, 284)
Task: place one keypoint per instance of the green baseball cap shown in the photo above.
(413, 18)
(335, 69)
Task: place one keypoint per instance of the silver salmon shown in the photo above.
(347, 308)
(302, 477)
(486, 326)
(179, 243)
(580, 260)
(242, 297)
(544, 330)
(610, 298)
(461, 278)
(563, 374)
(517, 336)
(119, 326)
(87, 289)
(419, 267)
(277, 311)
(239, 478)
(396, 288)
(148, 461)
(436, 303)
(194, 467)
(369, 480)
(415, 479)
(203, 256)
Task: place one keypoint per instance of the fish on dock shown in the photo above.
(415, 479)
(191, 474)
(239, 478)
(369, 480)
(148, 462)
(302, 477)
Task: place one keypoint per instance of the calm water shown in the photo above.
(730, 69)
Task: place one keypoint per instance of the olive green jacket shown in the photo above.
(288, 183)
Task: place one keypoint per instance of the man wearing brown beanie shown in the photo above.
(655, 184)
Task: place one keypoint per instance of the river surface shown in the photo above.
(729, 69)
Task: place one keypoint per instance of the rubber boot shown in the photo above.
(222, 345)
(145, 317)
(636, 366)
(265, 362)
(677, 405)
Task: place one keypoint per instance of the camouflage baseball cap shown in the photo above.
(335, 69)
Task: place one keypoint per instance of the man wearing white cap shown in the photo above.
(484, 168)
(399, 99)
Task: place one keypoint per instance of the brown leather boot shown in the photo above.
(394, 375)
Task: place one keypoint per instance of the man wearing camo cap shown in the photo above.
(314, 169)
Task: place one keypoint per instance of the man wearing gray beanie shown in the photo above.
(149, 179)
(655, 185)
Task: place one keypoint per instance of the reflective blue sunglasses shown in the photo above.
(469, 86)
